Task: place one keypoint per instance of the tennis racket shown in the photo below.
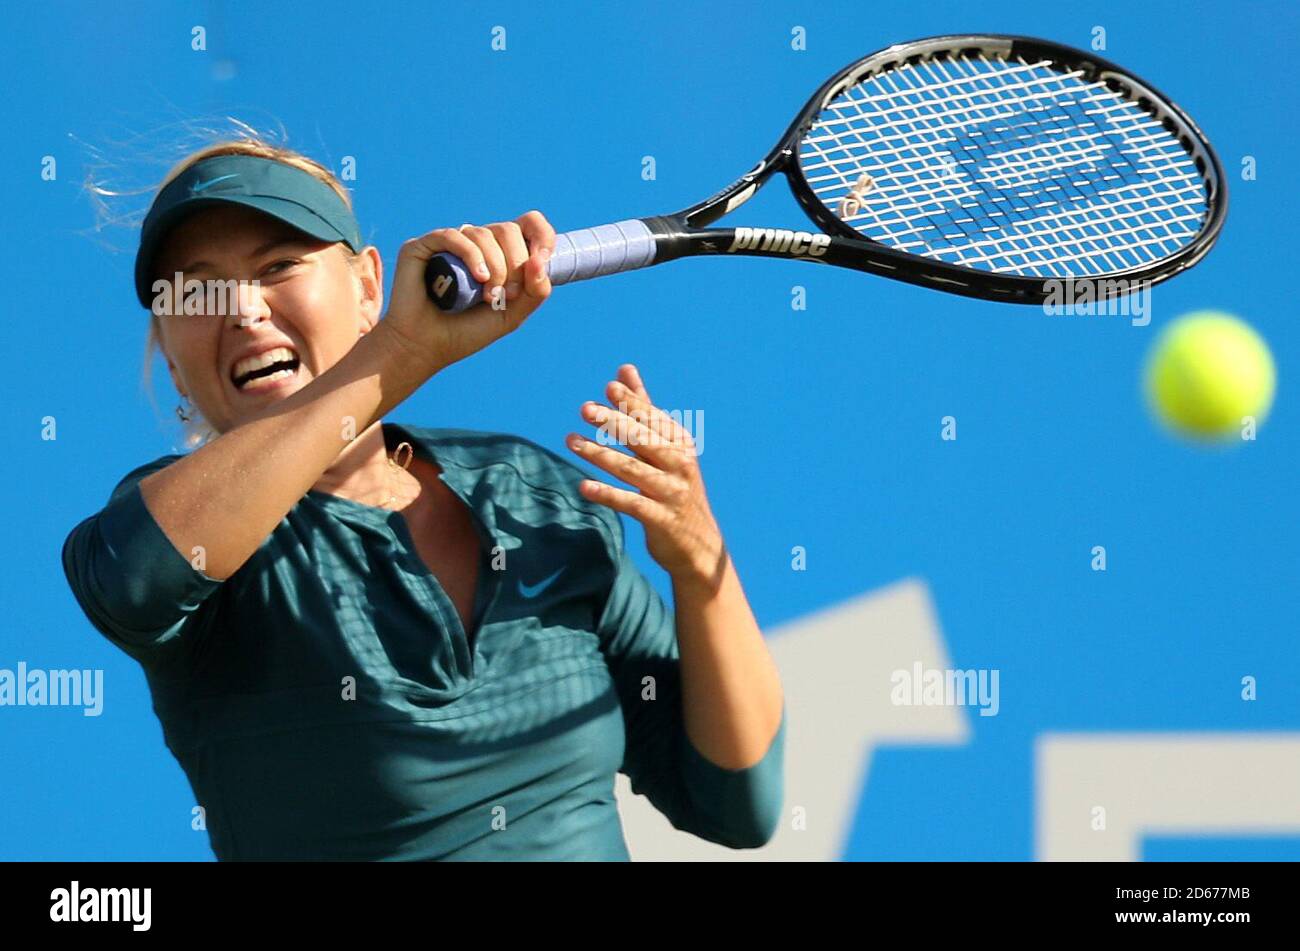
(991, 166)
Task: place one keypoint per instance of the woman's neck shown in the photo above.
(362, 472)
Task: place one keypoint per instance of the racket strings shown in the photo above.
(1030, 252)
(1006, 166)
(1085, 223)
(1012, 164)
(1023, 164)
(1034, 245)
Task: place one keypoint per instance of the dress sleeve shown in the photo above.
(737, 808)
(129, 580)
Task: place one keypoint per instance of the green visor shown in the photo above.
(284, 192)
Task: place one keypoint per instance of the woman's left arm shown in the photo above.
(731, 691)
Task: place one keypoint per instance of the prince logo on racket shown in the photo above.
(780, 241)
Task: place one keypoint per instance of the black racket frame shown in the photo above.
(684, 233)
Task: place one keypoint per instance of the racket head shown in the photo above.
(1002, 166)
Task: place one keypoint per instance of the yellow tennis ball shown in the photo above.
(1206, 371)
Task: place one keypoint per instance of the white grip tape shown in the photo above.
(606, 249)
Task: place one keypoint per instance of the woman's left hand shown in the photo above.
(681, 533)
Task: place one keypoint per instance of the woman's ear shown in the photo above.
(176, 378)
(172, 369)
(368, 268)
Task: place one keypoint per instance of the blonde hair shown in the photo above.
(197, 430)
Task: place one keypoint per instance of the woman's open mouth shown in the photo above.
(265, 372)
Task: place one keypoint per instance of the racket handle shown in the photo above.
(579, 255)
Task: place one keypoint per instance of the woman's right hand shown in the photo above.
(510, 255)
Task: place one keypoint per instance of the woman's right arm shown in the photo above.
(226, 497)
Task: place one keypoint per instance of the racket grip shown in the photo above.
(579, 255)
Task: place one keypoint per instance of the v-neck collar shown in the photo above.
(464, 470)
(464, 459)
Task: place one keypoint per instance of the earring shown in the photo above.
(184, 416)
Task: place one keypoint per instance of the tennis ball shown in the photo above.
(1206, 371)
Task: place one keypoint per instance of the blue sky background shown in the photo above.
(822, 426)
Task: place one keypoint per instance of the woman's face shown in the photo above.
(308, 299)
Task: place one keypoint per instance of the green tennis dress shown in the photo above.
(326, 703)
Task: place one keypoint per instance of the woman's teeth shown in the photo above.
(258, 368)
(267, 381)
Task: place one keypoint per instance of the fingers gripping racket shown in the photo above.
(990, 166)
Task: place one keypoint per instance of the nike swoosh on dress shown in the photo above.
(533, 590)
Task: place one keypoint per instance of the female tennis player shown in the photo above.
(371, 640)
